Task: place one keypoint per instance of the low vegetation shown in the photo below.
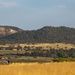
(13, 52)
(63, 59)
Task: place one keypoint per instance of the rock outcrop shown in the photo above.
(8, 30)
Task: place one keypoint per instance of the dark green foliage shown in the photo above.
(44, 35)
(19, 48)
(63, 59)
(54, 53)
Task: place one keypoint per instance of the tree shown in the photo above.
(19, 47)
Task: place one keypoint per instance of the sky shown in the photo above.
(35, 14)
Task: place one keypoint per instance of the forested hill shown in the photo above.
(46, 34)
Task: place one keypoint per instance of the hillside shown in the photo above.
(8, 30)
(46, 34)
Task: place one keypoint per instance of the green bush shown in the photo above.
(63, 59)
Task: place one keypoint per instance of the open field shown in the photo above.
(11, 52)
(29, 59)
(65, 68)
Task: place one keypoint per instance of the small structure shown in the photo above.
(2, 62)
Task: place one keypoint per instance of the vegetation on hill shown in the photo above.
(44, 35)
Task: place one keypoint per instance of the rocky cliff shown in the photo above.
(8, 30)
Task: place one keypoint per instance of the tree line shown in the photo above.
(52, 53)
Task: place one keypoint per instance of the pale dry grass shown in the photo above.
(65, 68)
(48, 45)
(45, 46)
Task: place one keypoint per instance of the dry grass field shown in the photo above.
(49, 45)
(64, 68)
(44, 46)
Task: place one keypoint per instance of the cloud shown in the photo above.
(8, 4)
(71, 0)
(62, 6)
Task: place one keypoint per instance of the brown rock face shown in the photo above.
(6, 30)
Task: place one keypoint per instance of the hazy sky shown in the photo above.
(34, 14)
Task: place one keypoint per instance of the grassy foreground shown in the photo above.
(64, 68)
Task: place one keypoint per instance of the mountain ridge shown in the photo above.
(46, 34)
